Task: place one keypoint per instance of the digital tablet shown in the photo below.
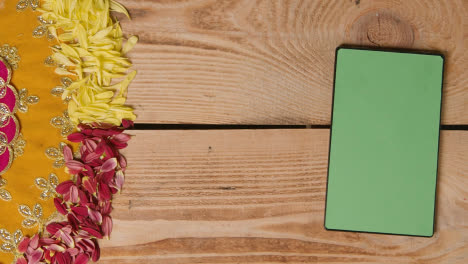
(384, 142)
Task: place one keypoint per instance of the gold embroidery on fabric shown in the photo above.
(56, 154)
(10, 54)
(25, 100)
(4, 194)
(33, 217)
(17, 143)
(64, 123)
(5, 115)
(47, 186)
(49, 61)
(58, 90)
(43, 29)
(23, 4)
(18, 146)
(3, 142)
(10, 242)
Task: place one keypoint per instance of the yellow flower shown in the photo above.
(91, 51)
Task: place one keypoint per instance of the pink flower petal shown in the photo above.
(63, 258)
(86, 244)
(36, 256)
(45, 241)
(105, 132)
(89, 184)
(95, 216)
(108, 176)
(83, 197)
(81, 259)
(52, 228)
(90, 145)
(74, 166)
(74, 194)
(67, 239)
(122, 162)
(67, 153)
(96, 253)
(34, 243)
(106, 208)
(61, 208)
(85, 129)
(92, 232)
(123, 137)
(76, 137)
(119, 179)
(73, 251)
(64, 187)
(109, 165)
(88, 170)
(73, 221)
(21, 260)
(127, 123)
(80, 210)
(23, 245)
(106, 225)
(104, 192)
(91, 157)
(56, 248)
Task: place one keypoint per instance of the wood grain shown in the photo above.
(271, 62)
(257, 196)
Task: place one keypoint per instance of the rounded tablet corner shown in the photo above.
(327, 228)
(429, 235)
(442, 57)
(432, 233)
(339, 48)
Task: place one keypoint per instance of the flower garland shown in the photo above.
(91, 52)
(85, 201)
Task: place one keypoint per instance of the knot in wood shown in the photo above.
(381, 29)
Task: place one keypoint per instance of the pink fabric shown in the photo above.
(5, 160)
(9, 99)
(3, 71)
(11, 128)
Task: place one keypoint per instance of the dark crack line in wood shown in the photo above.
(141, 126)
(148, 126)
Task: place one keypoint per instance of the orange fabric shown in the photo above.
(16, 30)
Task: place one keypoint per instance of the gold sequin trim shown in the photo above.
(56, 154)
(47, 186)
(64, 123)
(25, 100)
(10, 54)
(10, 241)
(4, 194)
(33, 217)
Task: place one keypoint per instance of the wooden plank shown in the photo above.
(258, 196)
(271, 62)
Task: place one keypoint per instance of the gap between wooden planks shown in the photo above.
(272, 62)
(257, 196)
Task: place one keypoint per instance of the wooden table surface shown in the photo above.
(258, 195)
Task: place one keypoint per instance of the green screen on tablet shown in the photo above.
(384, 142)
